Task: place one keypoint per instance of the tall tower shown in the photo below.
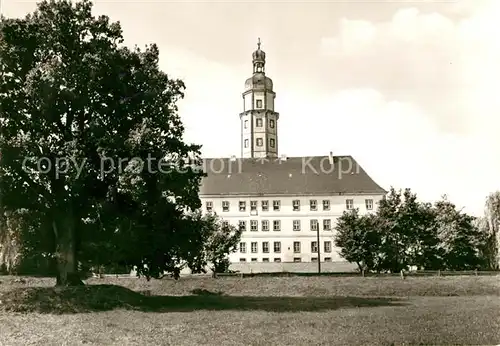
(259, 121)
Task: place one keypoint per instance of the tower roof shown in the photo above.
(259, 55)
(258, 59)
(259, 79)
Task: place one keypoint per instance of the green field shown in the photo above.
(253, 311)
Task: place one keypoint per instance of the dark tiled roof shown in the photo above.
(296, 175)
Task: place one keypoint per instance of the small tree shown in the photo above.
(487, 250)
(460, 239)
(215, 240)
(492, 214)
(359, 239)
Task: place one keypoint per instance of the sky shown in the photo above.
(408, 88)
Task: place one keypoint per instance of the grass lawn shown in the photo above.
(253, 311)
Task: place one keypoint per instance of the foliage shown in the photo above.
(10, 225)
(459, 239)
(359, 239)
(76, 105)
(406, 233)
(215, 239)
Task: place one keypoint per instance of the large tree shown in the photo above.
(75, 107)
(406, 231)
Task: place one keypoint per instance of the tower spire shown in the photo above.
(258, 43)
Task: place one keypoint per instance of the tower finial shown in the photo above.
(258, 43)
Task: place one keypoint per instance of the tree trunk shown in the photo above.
(67, 270)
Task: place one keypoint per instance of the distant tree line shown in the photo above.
(405, 233)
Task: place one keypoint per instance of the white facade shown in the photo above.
(287, 234)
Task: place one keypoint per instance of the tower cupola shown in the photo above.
(259, 59)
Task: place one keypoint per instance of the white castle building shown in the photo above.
(282, 203)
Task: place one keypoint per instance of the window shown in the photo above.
(276, 225)
(271, 142)
(327, 225)
(265, 225)
(253, 247)
(259, 103)
(296, 247)
(349, 204)
(296, 205)
(314, 225)
(326, 204)
(259, 142)
(243, 259)
(265, 247)
(276, 205)
(277, 247)
(314, 246)
(245, 124)
(253, 205)
(225, 224)
(265, 260)
(258, 122)
(314, 259)
(271, 123)
(369, 204)
(277, 260)
(313, 204)
(265, 205)
(209, 206)
(254, 259)
(243, 247)
(253, 225)
(297, 259)
(242, 224)
(328, 259)
(243, 205)
(246, 143)
(328, 247)
(225, 205)
(296, 225)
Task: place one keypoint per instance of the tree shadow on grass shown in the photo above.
(94, 298)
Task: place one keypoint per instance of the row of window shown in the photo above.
(278, 259)
(327, 247)
(259, 123)
(260, 142)
(313, 205)
(254, 225)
